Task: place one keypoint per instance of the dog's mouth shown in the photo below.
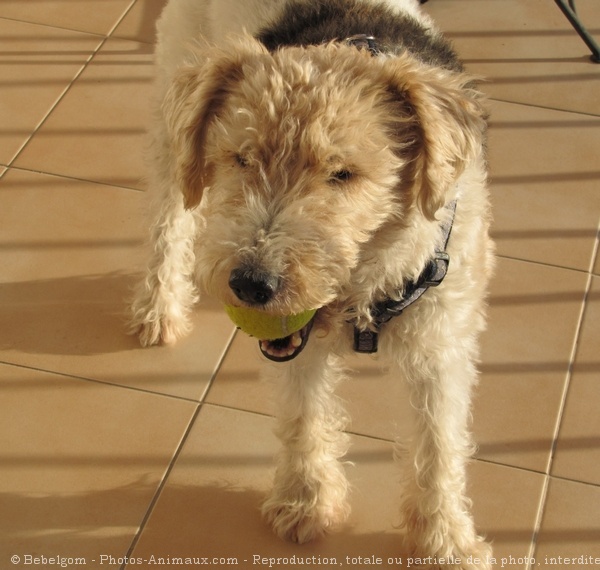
(286, 348)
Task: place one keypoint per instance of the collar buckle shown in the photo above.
(437, 269)
(364, 41)
(366, 342)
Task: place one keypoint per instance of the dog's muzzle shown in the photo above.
(256, 288)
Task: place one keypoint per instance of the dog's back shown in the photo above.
(399, 24)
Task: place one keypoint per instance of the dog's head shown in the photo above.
(298, 158)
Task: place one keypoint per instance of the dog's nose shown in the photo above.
(251, 287)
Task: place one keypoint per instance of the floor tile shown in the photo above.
(37, 64)
(526, 50)
(578, 448)
(71, 252)
(97, 132)
(80, 462)
(570, 527)
(526, 352)
(544, 184)
(140, 22)
(240, 382)
(54, 227)
(505, 506)
(378, 400)
(68, 14)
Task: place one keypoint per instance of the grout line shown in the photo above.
(76, 178)
(161, 486)
(102, 382)
(543, 263)
(561, 410)
(596, 251)
(52, 26)
(569, 376)
(234, 409)
(218, 366)
(566, 479)
(532, 471)
(538, 523)
(119, 20)
(557, 109)
(509, 466)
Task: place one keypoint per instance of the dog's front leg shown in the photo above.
(310, 488)
(439, 528)
(163, 300)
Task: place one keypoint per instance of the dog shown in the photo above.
(330, 155)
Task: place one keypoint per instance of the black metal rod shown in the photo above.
(571, 15)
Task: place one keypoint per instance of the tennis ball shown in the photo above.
(267, 327)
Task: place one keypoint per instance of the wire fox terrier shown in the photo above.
(330, 154)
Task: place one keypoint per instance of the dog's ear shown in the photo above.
(445, 121)
(193, 100)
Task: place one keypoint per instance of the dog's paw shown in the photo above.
(157, 327)
(444, 540)
(302, 506)
(302, 523)
(445, 543)
(163, 331)
(476, 556)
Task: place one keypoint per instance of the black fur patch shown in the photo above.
(318, 22)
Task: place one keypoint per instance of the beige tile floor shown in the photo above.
(108, 450)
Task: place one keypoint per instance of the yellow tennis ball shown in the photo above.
(267, 327)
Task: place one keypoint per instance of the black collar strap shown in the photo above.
(367, 341)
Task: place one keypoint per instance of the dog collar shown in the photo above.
(366, 341)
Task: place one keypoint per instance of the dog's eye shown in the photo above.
(341, 175)
(240, 160)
